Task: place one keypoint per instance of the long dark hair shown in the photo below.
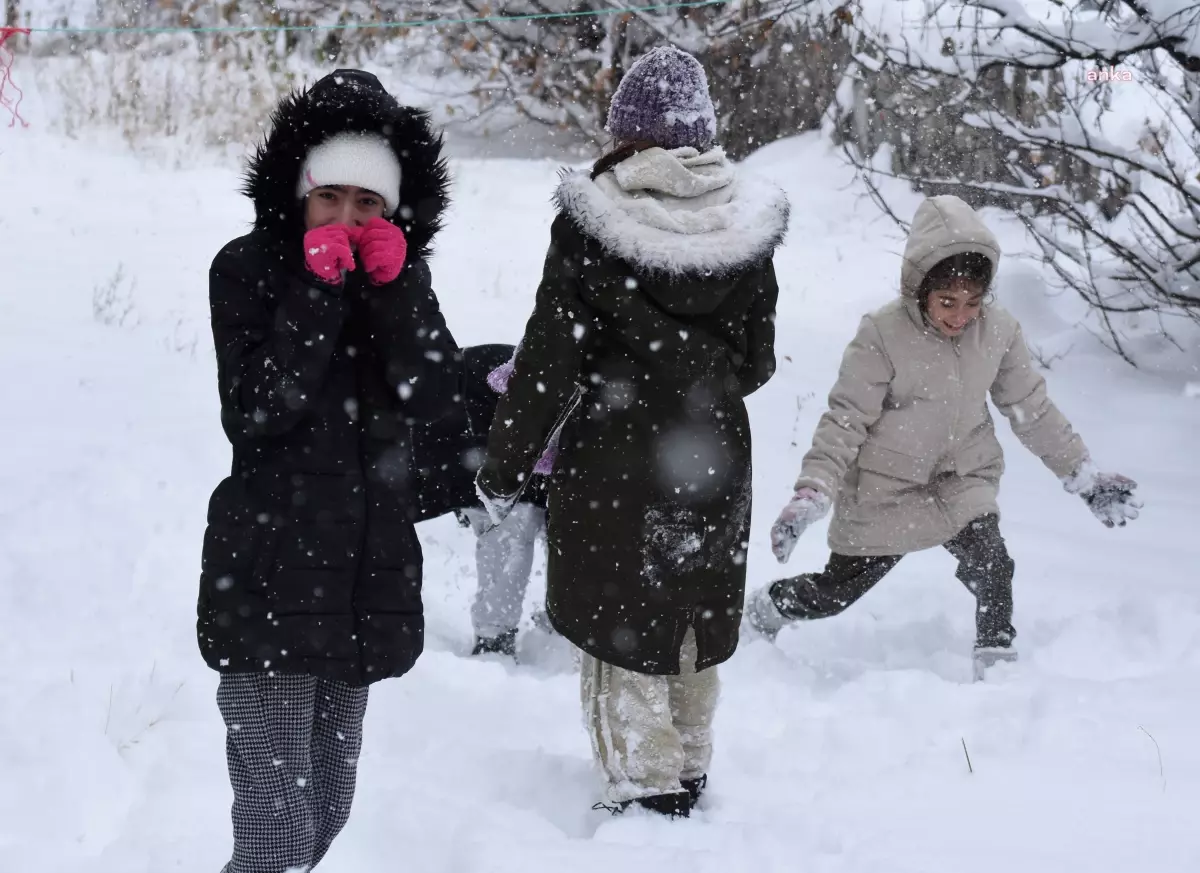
(971, 266)
(620, 152)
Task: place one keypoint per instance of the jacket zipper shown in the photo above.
(954, 426)
(957, 410)
(959, 379)
(360, 560)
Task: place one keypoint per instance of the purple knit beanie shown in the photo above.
(664, 98)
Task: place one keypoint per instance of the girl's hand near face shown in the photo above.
(327, 251)
(382, 249)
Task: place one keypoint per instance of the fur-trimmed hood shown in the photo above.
(348, 101)
(678, 212)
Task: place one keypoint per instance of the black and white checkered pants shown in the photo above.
(292, 745)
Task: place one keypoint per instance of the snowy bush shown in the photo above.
(1104, 175)
(773, 65)
(178, 94)
(207, 89)
(113, 299)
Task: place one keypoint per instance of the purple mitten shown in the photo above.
(498, 379)
(545, 464)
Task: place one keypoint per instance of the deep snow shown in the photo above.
(840, 750)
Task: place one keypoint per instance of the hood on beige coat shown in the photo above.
(943, 227)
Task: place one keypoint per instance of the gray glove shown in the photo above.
(1108, 495)
(806, 507)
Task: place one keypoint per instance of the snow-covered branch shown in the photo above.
(563, 71)
(1102, 170)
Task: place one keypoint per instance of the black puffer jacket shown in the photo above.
(664, 334)
(447, 454)
(311, 563)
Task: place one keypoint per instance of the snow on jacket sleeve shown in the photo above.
(544, 374)
(855, 404)
(1019, 392)
(422, 362)
(759, 365)
(270, 365)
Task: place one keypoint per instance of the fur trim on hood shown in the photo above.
(348, 101)
(714, 232)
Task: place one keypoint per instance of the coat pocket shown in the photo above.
(983, 456)
(895, 465)
(672, 544)
(236, 566)
(229, 549)
(243, 554)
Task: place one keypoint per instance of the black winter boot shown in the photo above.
(504, 644)
(695, 787)
(676, 804)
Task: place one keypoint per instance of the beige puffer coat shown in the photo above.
(907, 449)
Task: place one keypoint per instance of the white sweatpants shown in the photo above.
(503, 563)
(649, 732)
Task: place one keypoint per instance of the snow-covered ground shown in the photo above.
(840, 750)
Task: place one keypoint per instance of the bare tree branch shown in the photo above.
(1117, 224)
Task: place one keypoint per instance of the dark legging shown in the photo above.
(983, 566)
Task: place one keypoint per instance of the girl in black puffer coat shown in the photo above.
(447, 455)
(330, 348)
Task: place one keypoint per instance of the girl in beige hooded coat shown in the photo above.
(907, 452)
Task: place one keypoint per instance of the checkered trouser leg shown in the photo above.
(292, 745)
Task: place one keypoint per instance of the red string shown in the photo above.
(6, 63)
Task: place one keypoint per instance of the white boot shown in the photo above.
(763, 617)
(990, 656)
(541, 621)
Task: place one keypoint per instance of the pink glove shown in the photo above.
(382, 248)
(327, 251)
(806, 507)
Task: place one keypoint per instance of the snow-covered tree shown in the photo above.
(1102, 170)
(773, 64)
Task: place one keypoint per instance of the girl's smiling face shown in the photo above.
(954, 305)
